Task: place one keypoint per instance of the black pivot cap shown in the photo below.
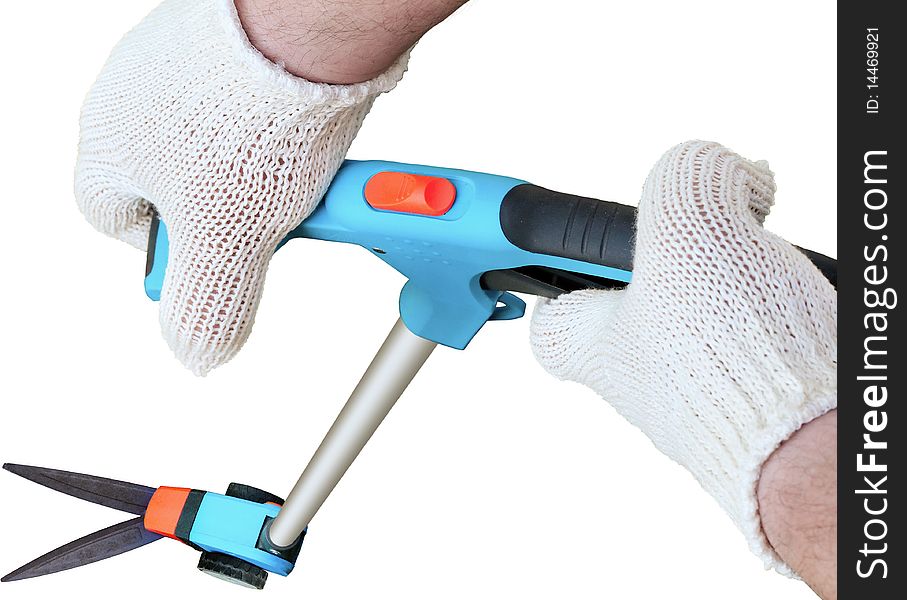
(232, 569)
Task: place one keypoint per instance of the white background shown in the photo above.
(490, 479)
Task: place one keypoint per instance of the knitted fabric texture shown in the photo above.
(725, 342)
(233, 151)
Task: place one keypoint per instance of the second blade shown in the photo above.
(112, 541)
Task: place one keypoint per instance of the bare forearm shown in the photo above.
(339, 41)
(798, 503)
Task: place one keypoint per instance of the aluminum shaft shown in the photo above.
(394, 366)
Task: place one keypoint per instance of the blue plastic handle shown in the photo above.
(443, 257)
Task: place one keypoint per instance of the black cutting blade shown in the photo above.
(120, 495)
(112, 541)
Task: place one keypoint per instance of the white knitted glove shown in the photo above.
(231, 149)
(725, 342)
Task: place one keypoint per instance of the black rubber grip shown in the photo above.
(586, 229)
(557, 224)
(828, 266)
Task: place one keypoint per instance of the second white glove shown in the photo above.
(724, 343)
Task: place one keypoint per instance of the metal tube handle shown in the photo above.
(394, 366)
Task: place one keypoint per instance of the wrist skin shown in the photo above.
(798, 503)
(339, 42)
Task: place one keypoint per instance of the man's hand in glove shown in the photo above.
(233, 149)
(722, 346)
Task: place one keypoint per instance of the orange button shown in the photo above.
(404, 192)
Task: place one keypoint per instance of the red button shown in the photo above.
(408, 193)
